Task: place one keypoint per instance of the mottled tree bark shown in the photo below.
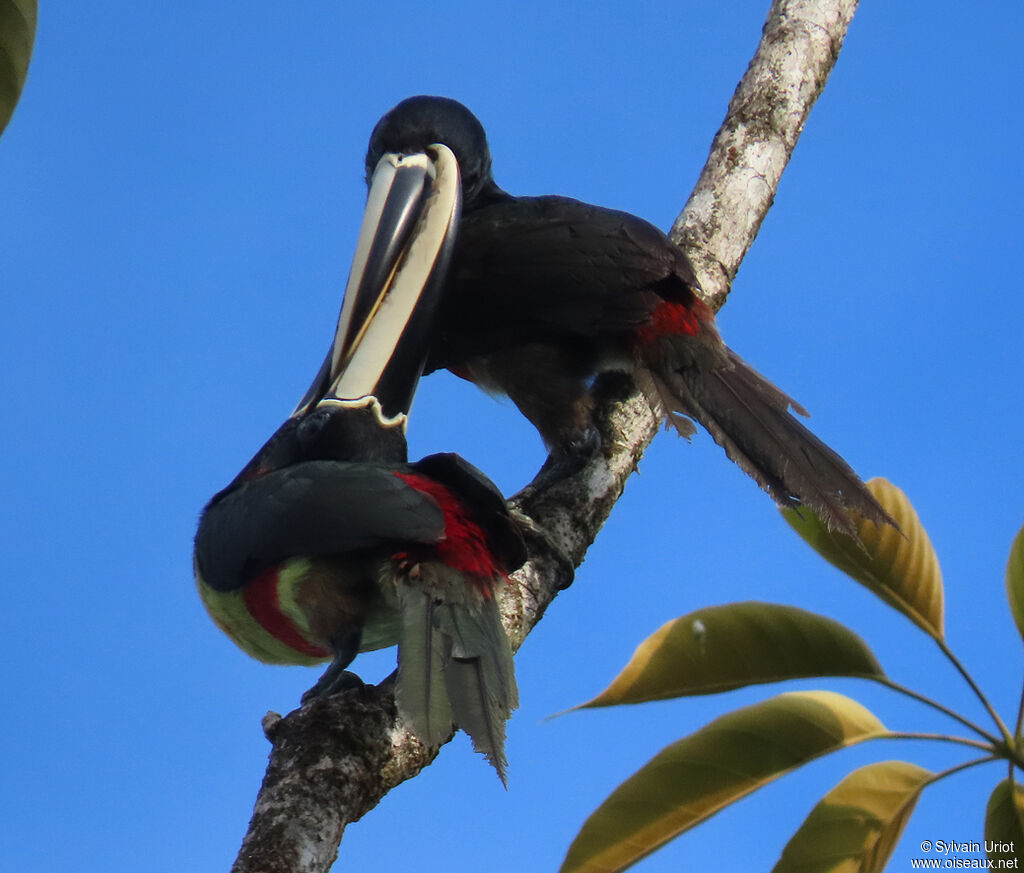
(334, 759)
(799, 47)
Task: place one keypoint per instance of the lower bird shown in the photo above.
(329, 542)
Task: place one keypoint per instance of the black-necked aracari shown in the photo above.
(329, 542)
(544, 293)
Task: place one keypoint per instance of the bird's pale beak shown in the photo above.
(401, 258)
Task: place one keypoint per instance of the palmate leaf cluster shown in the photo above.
(855, 826)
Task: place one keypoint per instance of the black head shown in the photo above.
(332, 433)
(351, 431)
(417, 122)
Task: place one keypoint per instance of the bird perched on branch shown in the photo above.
(329, 542)
(544, 293)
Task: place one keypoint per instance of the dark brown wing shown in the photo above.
(309, 509)
(534, 269)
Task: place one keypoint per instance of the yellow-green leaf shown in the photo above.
(1004, 825)
(17, 34)
(856, 826)
(902, 569)
(692, 779)
(1015, 580)
(723, 647)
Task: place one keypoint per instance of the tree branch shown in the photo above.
(334, 759)
(799, 46)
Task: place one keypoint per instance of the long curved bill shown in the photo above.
(399, 267)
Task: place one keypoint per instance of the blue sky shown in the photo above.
(181, 190)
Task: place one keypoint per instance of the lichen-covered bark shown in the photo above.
(333, 760)
(766, 116)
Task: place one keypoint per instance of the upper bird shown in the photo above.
(543, 293)
(329, 542)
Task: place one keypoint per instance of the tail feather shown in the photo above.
(455, 667)
(421, 694)
(750, 418)
(480, 678)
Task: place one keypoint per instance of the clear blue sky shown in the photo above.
(181, 188)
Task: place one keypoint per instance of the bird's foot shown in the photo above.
(548, 549)
(335, 680)
(567, 460)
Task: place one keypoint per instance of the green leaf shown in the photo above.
(692, 779)
(901, 568)
(17, 34)
(856, 826)
(1004, 825)
(1015, 580)
(724, 647)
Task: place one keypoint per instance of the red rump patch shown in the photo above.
(264, 604)
(464, 547)
(669, 319)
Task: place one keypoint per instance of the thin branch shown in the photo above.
(962, 670)
(334, 759)
(959, 768)
(942, 738)
(945, 710)
(1020, 714)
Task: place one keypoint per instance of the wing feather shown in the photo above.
(313, 508)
